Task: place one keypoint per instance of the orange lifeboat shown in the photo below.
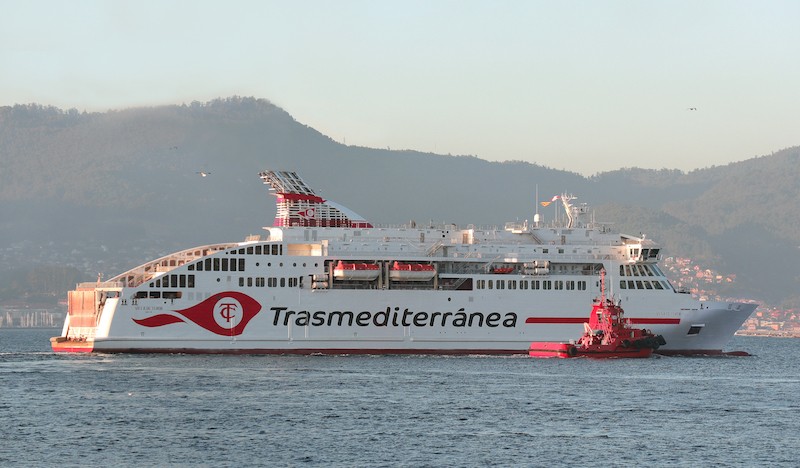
(356, 271)
(411, 271)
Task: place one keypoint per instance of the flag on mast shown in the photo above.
(547, 203)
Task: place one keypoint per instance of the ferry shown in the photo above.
(324, 280)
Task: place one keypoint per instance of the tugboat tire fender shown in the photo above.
(626, 343)
(572, 351)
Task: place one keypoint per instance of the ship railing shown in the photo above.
(99, 285)
(437, 226)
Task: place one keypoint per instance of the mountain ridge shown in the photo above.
(125, 175)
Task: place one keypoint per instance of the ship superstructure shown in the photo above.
(325, 280)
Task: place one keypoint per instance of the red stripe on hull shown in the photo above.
(84, 347)
(566, 320)
(656, 321)
(306, 352)
(556, 319)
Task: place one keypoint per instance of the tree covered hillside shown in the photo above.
(129, 181)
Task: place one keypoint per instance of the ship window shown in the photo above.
(190, 267)
(249, 282)
(241, 264)
(642, 270)
(501, 284)
(635, 270)
(258, 250)
(545, 250)
(490, 283)
(581, 285)
(272, 282)
(199, 266)
(547, 284)
(208, 264)
(141, 295)
(224, 264)
(523, 285)
(260, 282)
(283, 282)
(622, 270)
(647, 270)
(535, 284)
(157, 283)
(250, 251)
(182, 279)
(173, 281)
(570, 285)
(631, 285)
(559, 285)
(216, 264)
(657, 285)
(695, 329)
(648, 285)
(155, 294)
(639, 285)
(274, 250)
(622, 285)
(171, 295)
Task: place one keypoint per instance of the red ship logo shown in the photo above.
(225, 313)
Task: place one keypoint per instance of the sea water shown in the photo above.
(179, 410)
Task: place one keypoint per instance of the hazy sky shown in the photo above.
(587, 86)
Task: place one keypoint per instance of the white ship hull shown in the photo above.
(284, 295)
(357, 321)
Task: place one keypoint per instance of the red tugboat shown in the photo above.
(607, 335)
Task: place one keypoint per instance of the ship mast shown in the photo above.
(565, 200)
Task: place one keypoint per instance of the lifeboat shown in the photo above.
(608, 334)
(356, 271)
(502, 270)
(411, 272)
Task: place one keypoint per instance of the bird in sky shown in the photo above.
(204, 173)
(691, 108)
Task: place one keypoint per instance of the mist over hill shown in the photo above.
(129, 181)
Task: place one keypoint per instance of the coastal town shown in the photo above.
(705, 284)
